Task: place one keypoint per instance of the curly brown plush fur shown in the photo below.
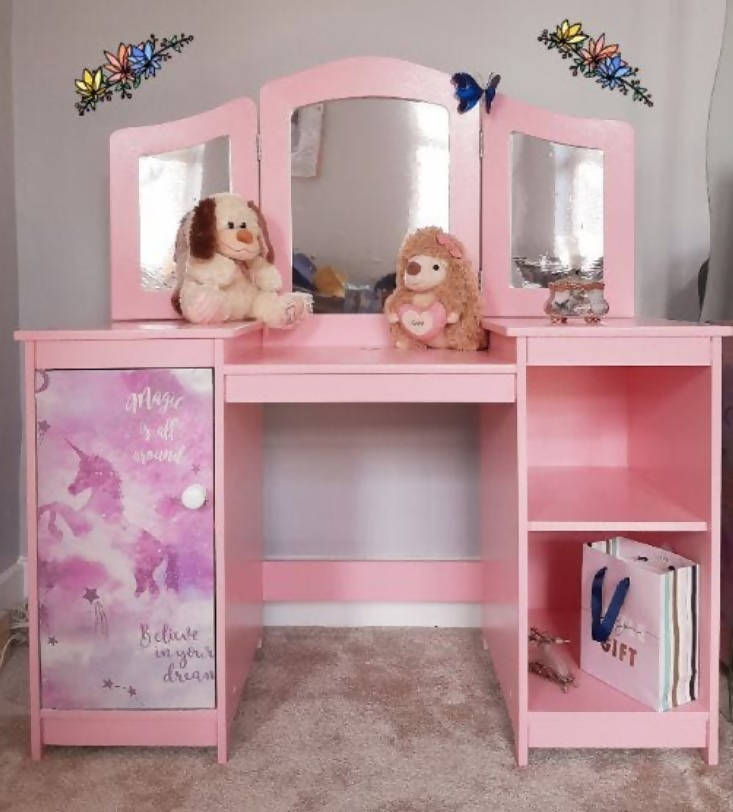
(202, 238)
(267, 251)
(458, 293)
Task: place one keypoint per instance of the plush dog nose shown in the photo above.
(413, 268)
(245, 235)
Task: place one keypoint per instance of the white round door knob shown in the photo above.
(194, 497)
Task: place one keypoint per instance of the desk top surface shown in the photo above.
(132, 330)
(544, 328)
(537, 327)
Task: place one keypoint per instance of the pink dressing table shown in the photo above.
(585, 432)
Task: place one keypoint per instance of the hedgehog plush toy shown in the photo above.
(436, 299)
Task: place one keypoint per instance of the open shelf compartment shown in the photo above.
(593, 713)
(607, 452)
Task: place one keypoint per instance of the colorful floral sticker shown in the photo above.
(596, 59)
(125, 69)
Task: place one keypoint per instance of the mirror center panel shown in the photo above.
(364, 173)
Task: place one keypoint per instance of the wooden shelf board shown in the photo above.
(603, 499)
(594, 714)
(617, 327)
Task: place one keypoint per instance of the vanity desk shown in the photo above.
(146, 574)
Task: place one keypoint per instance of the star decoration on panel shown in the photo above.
(125, 69)
(594, 58)
(110, 685)
(99, 615)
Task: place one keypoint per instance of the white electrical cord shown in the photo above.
(18, 630)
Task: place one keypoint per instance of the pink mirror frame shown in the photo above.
(237, 120)
(616, 139)
(356, 78)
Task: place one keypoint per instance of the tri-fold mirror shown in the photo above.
(348, 158)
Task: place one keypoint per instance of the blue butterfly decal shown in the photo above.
(469, 91)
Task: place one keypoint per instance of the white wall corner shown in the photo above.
(12, 584)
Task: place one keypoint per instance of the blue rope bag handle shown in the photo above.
(603, 626)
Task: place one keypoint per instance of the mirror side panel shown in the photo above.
(503, 293)
(177, 162)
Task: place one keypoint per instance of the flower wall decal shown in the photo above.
(595, 59)
(125, 69)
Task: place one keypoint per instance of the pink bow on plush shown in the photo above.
(454, 249)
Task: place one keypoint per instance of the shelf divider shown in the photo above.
(574, 498)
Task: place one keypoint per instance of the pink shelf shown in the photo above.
(603, 499)
(601, 715)
(138, 330)
(542, 327)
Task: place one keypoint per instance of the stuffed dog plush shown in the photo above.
(224, 269)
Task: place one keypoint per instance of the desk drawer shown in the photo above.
(355, 388)
(618, 351)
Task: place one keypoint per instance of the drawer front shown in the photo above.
(618, 351)
(390, 388)
(125, 538)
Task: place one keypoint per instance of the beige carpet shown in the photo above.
(357, 719)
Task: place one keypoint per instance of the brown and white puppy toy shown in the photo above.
(224, 269)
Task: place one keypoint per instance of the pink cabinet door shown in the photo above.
(125, 538)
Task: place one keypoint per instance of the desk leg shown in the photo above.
(503, 482)
(238, 523)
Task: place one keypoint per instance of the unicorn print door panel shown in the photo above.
(125, 538)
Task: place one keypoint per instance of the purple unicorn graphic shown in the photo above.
(105, 505)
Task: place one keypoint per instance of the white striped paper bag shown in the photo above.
(651, 648)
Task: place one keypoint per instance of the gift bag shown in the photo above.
(639, 621)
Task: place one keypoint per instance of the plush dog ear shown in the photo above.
(265, 244)
(202, 237)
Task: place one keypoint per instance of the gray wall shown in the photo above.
(719, 296)
(9, 402)
(61, 170)
(61, 159)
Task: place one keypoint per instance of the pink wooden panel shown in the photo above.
(616, 139)
(118, 354)
(334, 330)
(611, 351)
(339, 388)
(606, 500)
(690, 466)
(502, 348)
(34, 660)
(576, 416)
(150, 728)
(539, 326)
(712, 651)
(142, 331)
(236, 119)
(670, 434)
(353, 78)
(125, 573)
(444, 581)
(616, 729)
(238, 484)
(503, 494)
